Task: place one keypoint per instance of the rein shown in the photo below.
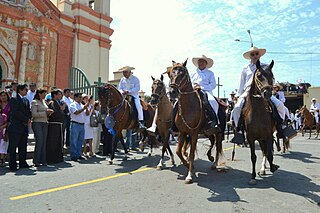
(116, 107)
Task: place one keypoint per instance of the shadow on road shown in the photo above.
(301, 156)
(222, 183)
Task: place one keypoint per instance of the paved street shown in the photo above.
(136, 186)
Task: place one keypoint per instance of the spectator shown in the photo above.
(20, 119)
(48, 96)
(96, 130)
(66, 123)
(77, 127)
(297, 120)
(14, 89)
(54, 138)
(3, 141)
(31, 92)
(5, 108)
(88, 130)
(40, 113)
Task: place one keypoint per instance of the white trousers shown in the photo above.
(139, 107)
(316, 116)
(236, 112)
(214, 104)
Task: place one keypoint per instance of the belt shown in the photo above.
(77, 122)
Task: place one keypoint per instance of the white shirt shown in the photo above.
(30, 95)
(281, 96)
(314, 108)
(67, 100)
(75, 106)
(205, 78)
(131, 84)
(246, 78)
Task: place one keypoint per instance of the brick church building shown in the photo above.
(41, 39)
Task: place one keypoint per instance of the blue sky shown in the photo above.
(149, 34)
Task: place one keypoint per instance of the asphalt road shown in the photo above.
(136, 186)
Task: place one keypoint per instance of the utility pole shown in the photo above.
(219, 85)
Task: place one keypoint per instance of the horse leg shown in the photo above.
(185, 148)
(124, 148)
(142, 141)
(181, 141)
(114, 147)
(218, 139)
(253, 161)
(278, 143)
(194, 139)
(302, 130)
(310, 128)
(210, 157)
(269, 153)
(263, 166)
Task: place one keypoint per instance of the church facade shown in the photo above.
(41, 39)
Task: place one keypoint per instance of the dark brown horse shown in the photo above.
(308, 121)
(258, 121)
(190, 118)
(160, 100)
(114, 104)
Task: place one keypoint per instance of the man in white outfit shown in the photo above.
(247, 75)
(314, 108)
(130, 85)
(277, 88)
(204, 79)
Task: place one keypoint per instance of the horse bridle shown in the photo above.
(259, 84)
(116, 108)
(179, 86)
(159, 96)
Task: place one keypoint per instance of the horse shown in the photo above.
(308, 121)
(160, 100)
(190, 118)
(257, 118)
(112, 101)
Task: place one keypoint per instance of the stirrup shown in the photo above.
(238, 138)
(289, 133)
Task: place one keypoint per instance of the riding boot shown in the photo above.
(212, 118)
(239, 135)
(141, 125)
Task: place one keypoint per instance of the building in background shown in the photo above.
(41, 40)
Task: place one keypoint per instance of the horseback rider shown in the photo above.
(247, 75)
(279, 94)
(314, 108)
(130, 85)
(204, 79)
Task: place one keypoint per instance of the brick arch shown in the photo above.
(8, 63)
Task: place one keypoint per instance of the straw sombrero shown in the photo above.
(313, 99)
(208, 60)
(232, 93)
(126, 68)
(246, 55)
(278, 85)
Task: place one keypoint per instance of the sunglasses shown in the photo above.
(253, 54)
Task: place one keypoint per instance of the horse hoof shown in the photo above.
(262, 172)
(125, 158)
(159, 167)
(252, 182)
(110, 162)
(149, 154)
(274, 168)
(188, 181)
(213, 167)
(173, 163)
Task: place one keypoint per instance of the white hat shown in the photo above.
(313, 99)
(246, 55)
(126, 68)
(208, 60)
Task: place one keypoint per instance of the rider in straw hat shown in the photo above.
(204, 78)
(253, 54)
(314, 108)
(130, 85)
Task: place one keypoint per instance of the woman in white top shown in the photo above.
(88, 130)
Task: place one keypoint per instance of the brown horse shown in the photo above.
(160, 100)
(308, 121)
(114, 104)
(190, 118)
(257, 116)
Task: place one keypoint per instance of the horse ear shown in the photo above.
(271, 65)
(258, 65)
(153, 78)
(185, 63)
(173, 62)
(161, 78)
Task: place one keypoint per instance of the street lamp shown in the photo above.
(248, 31)
(250, 37)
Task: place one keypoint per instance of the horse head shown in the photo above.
(179, 79)
(158, 90)
(108, 96)
(263, 80)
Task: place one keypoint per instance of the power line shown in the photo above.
(296, 61)
(295, 53)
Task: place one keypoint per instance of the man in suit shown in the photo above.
(20, 118)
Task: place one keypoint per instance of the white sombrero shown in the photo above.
(313, 99)
(246, 55)
(208, 60)
(126, 68)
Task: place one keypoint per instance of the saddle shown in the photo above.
(134, 111)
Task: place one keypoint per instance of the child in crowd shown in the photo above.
(3, 138)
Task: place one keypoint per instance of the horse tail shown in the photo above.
(219, 138)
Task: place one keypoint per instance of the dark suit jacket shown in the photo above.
(19, 114)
